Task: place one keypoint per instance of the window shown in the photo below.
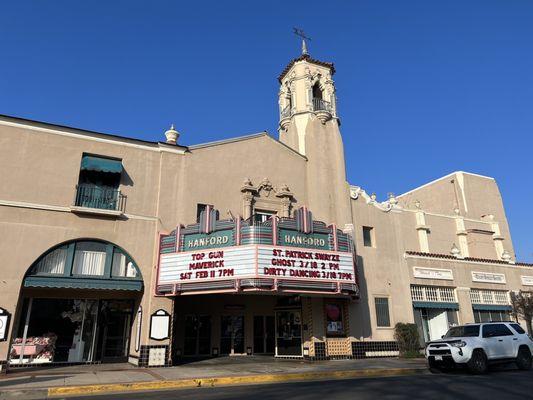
(433, 293)
(382, 311)
(518, 329)
(463, 331)
(334, 320)
(496, 330)
(491, 316)
(482, 296)
(317, 92)
(91, 259)
(368, 236)
(200, 208)
(261, 216)
(98, 183)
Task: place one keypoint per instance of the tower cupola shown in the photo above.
(306, 91)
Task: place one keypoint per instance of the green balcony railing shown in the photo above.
(101, 197)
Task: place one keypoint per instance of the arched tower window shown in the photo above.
(317, 92)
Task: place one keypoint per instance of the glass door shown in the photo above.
(232, 334)
(115, 324)
(289, 333)
(264, 334)
(197, 335)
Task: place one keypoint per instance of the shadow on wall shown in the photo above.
(361, 314)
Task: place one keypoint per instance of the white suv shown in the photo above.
(478, 345)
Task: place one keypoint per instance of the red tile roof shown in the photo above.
(450, 257)
(307, 58)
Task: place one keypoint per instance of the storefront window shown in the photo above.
(491, 316)
(72, 330)
(334, 320)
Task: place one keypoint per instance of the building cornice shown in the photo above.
(471, 260)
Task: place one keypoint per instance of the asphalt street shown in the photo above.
(508, 384)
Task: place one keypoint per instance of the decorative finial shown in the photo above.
(304, 48)
(506, 256)
(172, 135)
(455, 251)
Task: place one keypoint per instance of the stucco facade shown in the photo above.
(418, 255)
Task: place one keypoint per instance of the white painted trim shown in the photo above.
(444, 177)
(157, 146)
(48, 207)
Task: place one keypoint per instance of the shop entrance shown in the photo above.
(434, 322)
(72, 331)
(264, 332)
(197, 340)
(289, 333)
(232, 334)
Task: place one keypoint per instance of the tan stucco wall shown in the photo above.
(40, 168)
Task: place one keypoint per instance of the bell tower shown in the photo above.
(307, 91)
(309, 124)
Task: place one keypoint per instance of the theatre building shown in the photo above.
(121, 250)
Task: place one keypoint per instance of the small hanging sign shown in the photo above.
(4, 324)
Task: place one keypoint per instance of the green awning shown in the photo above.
(435, 304)
(93, 163)
(61, 282)
(491, 307)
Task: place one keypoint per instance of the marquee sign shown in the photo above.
(293, 255)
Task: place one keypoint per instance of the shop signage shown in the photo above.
(527, 280)
(201, 241)
(4, 324)
(433, 273)
(256, 261)
(160, 325)
(488, 277)
(297, 239)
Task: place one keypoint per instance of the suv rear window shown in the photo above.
(518, 329)
(463, 331)
(494, 330)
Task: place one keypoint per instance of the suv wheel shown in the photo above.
(523, 360)
(478, 363)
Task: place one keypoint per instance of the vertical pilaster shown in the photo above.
(466, 313)
(422, 230)
(462, 236)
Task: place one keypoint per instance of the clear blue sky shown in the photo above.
(424, 87)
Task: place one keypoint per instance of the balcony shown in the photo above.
(323, 110)
(94, 199)
(321, 105)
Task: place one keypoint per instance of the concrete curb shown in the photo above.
(67, 391)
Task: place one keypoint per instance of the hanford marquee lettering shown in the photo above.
(281, 255)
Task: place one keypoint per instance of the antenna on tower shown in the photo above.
(299, 32)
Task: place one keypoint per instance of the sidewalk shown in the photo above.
(106, 378)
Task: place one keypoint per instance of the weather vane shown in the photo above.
(299, 32)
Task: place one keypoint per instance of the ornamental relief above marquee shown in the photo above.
(265, 196)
